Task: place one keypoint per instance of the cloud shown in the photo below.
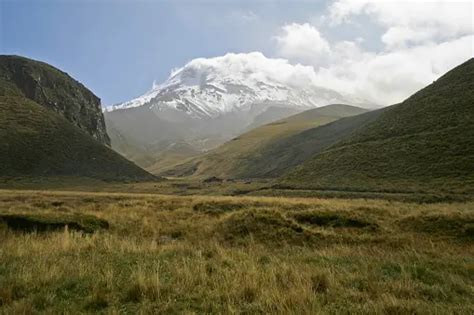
(253, 66)
(409, 22)
(421, 41)
(400, 36)
(389, 77)
(302, 42)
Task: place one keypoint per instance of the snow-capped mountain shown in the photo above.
(210, 101)
(234, 82)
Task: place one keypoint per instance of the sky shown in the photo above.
(380, 51)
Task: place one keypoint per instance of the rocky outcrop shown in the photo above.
(55, 90)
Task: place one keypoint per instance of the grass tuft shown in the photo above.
(98, 301)
(261, 225)
(320, 283)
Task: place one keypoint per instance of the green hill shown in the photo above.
(55, 90)
(248, 155)
(39, 140)
(424, 143)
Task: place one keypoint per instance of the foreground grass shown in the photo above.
(196, 254)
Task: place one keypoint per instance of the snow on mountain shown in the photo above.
(210, 87)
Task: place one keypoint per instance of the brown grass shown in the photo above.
(171, 254)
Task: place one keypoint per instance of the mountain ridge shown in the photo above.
(258, 152)
(424, 143)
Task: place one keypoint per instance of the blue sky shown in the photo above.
(381, 51)
(117, 48)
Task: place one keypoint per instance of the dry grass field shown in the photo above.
(149, 254)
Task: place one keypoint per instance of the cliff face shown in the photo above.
(55, 90)
(51, 125)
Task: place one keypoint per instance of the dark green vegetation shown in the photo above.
(269, 150)
(449, 225)
(332, 219)
(425, 143)
(55, 90)
(48, 223)
(37, 140)
(219, 255)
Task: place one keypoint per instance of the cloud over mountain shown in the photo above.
(420, 41)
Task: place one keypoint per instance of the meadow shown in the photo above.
(118, 252)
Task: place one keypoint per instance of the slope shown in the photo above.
(424, 143)
(55, 90)
(36, 140)
(248, 155)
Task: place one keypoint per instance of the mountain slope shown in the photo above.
(55, 90)
(36, 140)
(423, 143)
(210, 101)
(265, 151)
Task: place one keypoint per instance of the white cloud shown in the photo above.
(422, 40)
(302, 42)
(413, 21)
(390, 77)
(401, 36)
(253, 66)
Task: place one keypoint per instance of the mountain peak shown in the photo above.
(209, 87)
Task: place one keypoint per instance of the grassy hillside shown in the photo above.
(248, 155)
(286, 153)
(167, 159)
(424, 143)
(37, 140)
(54, 90)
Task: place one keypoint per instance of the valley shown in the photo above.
(242, 183)
(206, 103)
